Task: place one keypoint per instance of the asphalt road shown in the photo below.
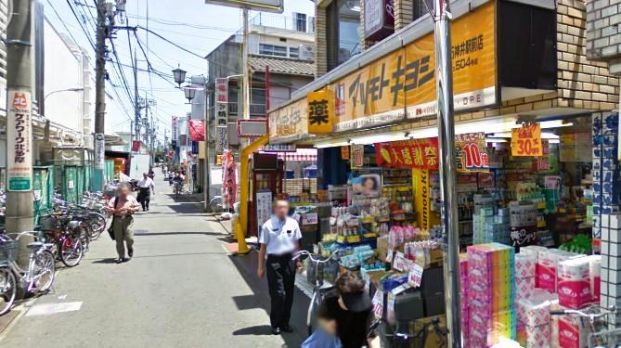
(181, 289)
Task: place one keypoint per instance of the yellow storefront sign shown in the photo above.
(321, 112)
(422, 198)
(402, 84)
(289, 123)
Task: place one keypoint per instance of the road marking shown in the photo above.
(53, 308)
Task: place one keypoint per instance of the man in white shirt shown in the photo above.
(145, 186)
(279, 238)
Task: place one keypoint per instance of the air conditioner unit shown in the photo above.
(306, 53)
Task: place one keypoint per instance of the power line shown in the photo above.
(171, 42)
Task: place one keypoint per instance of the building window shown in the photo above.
(294, 52)
(273, 50)
(419, 9)
(299, 21)
(343, 26)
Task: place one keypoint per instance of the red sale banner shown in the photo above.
(417, 153)
(471, 153)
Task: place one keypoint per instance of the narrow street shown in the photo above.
(181, 289)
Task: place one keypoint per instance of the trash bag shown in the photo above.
(322, 339)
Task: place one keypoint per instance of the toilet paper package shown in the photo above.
(574, 283)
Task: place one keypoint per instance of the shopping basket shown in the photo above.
(8, 251)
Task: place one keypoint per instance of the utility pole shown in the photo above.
(100, 97)
(246, 73)
(446, 134)
(20, 69)
(137, 119)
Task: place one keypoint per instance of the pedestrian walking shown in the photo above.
(171, 176)
(280, 238)
(122, 207)
(146, 186)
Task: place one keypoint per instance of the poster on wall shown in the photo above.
(416, 153)
(264, 208)
(19, 141)
(357, 156)
(471, 153)
(369, 185)
(229, 180)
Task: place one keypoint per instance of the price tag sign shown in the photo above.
(310, 219)
(415, 276)
(399, 262)
(471, 152)
(526, 141)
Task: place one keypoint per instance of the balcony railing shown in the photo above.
(303, 25)
(256, 110)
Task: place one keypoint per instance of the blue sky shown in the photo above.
(190, 23)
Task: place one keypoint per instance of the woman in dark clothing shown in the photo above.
(348, 315)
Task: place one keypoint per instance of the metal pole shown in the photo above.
(100, 98)
(207, 182)
(446, 135)
(20, 69)
(246, 73)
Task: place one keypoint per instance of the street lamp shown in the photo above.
(76, 89)
(189, 92)
(179, 75)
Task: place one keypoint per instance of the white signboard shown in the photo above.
(221, 139)
(100, 151)
(264, 208)
(19, 140)
(222, 114)
(275, 6)
(175, 128)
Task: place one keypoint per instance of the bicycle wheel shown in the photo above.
(97, 224)
(71, 251)
(44, 271)
(8, 289)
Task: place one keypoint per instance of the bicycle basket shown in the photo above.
(8, 250)
(48, 223)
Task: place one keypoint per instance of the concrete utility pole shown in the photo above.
(246, 73)
(446, 134)
(100, 97)
(20, 69)
(136, 99)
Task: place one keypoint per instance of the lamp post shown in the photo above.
(179, 75)
(77, 89)
(189, 93)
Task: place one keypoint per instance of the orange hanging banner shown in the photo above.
(526, 141)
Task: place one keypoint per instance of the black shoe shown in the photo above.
(275, 331)
(119, 260)
(125, 259)
(286, 328)
(130, 252)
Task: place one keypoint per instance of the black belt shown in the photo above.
(281, 256)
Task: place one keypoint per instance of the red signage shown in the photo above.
(418, 153)
(136, 146)
(197, 130)
(472, 154)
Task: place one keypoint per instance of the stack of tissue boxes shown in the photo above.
(465, 314)
(491, 294)
(525, 274)
(536, 329)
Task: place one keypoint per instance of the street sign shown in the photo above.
(276, 6)
(252, 128)
(19, 140)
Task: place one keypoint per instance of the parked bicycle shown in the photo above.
(38, 278)
(595, 319)
(321, 288)
(64, 232)
(418, 339)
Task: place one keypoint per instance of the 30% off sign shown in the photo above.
(526, 141)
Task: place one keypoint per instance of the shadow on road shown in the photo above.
(259, 330)
(107, 261)
(155, 234)
(247, 265)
